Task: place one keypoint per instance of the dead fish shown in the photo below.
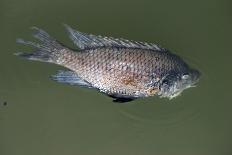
(122, 69)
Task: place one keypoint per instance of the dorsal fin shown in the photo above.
(86, 41)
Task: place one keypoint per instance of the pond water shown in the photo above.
(41, 117)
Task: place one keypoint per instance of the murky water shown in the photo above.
(41, 117)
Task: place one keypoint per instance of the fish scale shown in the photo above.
(122, 69)
(105, 69)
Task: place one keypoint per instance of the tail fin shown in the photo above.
(45, 51)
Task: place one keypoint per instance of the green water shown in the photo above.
(42, 117)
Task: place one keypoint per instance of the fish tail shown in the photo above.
(47, 50)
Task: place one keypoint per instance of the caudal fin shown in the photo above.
(46, 51)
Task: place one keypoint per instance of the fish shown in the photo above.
(119, 68)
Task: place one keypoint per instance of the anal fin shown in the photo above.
(121, 99)
(70, 77)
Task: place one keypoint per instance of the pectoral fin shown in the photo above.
(70, 77)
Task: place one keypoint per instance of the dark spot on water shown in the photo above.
(4, 103)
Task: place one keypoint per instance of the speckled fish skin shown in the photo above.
(130, 72)
(117, 67)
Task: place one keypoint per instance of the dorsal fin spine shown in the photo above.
(87, 41)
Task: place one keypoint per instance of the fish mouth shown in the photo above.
(173, 86)
(179, 91)
(173, 92)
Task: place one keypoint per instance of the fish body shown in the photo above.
(122, 69)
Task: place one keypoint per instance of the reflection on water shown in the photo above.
(162, 119)
(39, 116)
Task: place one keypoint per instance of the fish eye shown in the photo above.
(185, 76)
(165, 82)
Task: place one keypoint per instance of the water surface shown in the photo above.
(42, 117)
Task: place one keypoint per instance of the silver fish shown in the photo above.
(122, 69)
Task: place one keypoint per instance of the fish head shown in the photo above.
(175, 82)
